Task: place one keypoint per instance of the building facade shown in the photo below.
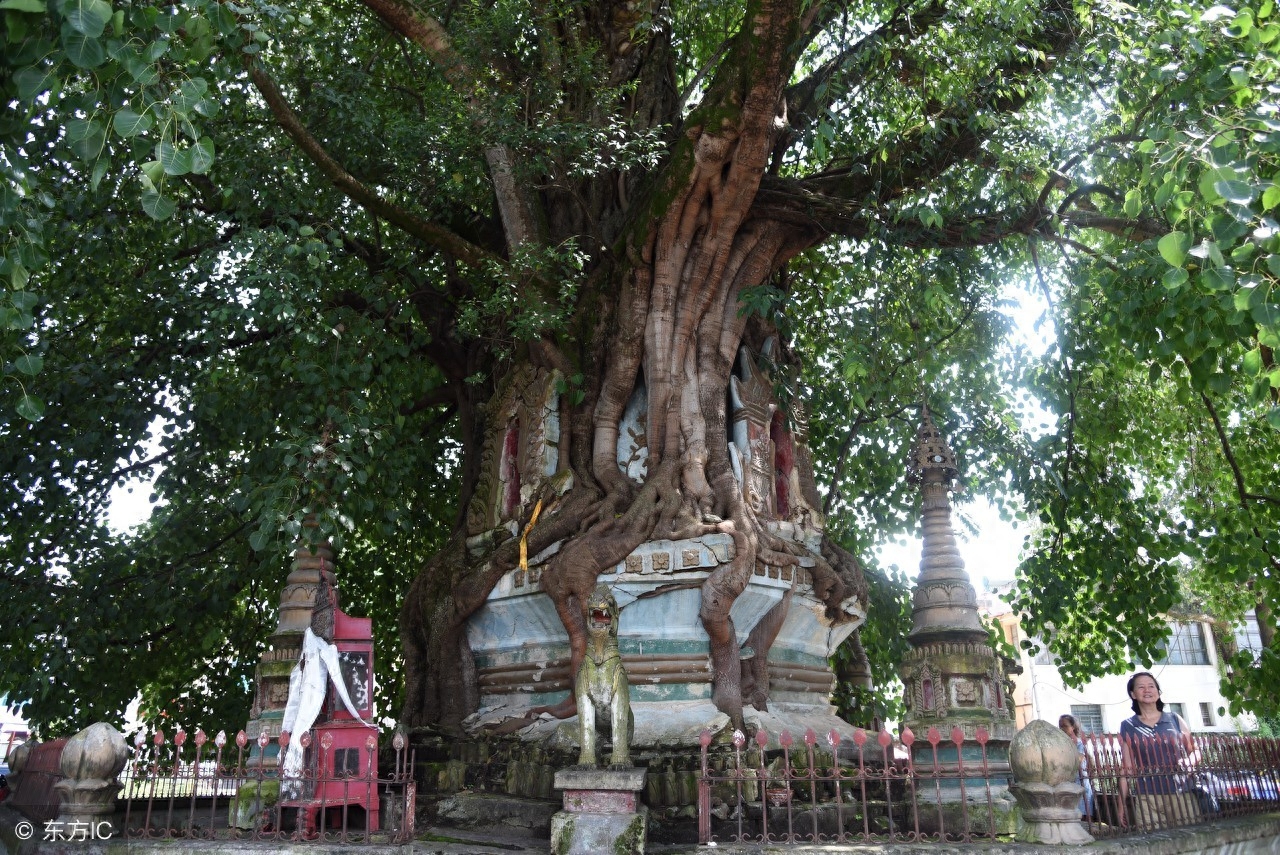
(1189, 673)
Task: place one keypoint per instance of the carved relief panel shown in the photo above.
(768, 445)
(521, 449)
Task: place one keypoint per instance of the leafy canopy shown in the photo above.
(192, 290)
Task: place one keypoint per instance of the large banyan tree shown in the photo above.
(327, 254)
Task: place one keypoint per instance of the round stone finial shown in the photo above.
(18, 757)
(97, 753)
(1041, 753)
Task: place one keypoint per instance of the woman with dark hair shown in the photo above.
(1068, 725)
(1156, 747)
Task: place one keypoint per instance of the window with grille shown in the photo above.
(1185, 646)
(1206, 714)
(1043, 656)
(1176, 709)
(346, 762)
(1247, 635)
(1089, 716)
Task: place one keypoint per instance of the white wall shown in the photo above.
(1039, 691)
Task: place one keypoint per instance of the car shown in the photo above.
(1238, 786)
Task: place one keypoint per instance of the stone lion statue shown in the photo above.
(601, 686)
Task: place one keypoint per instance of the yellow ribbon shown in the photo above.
(524, 537)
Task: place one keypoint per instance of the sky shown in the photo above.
(990, 556)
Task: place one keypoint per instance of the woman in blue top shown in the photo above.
(1159, 744)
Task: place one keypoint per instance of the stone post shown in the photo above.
(1045, 766)
(601, 812)
(91, 763)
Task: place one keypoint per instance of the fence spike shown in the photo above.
(957, 735)
(908, 738)
(762, 737)
(158, 738)
(859, 737)
(810, 738)
(242, 739)
(784, 739)
(933, 736)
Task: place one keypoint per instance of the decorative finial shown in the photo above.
(930, 453)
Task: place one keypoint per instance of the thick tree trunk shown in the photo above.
(668, 316)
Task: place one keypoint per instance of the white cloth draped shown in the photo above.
(307, 684)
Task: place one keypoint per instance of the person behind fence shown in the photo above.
(1068, 725)
(1156, 748)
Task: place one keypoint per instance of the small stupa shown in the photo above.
(308, 600)
(952, 674)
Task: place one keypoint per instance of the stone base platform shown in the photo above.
(601, 812)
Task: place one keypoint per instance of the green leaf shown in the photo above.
(32, 82)
(1235, 191)
(174, 160)
(1271, 196)
(158, 207)
(1247, 296)
(127, 123)
(29, 363)
(1252, 363)
(1218, 278)
(88, 17)
(1273, 417)
(36, 7)
(1175, 278)
(1132, 203)
(25, 301)
(1173, 248)
(86, 137)
(31, 409)
(153, 174)
(84, 51)
(202, 156)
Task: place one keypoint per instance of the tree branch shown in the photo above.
(516, 204)
(427, 232)
(952, 136)
(1229, 454)
(801, 95)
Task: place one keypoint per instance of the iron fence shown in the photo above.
(35, 795)
(1139, 785)
(201, 788)
(873, 788)
(869, 789)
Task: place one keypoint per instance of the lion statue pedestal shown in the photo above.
(602, 812)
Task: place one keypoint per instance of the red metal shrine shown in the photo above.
(342, 769)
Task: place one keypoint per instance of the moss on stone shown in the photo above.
(631, 840)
